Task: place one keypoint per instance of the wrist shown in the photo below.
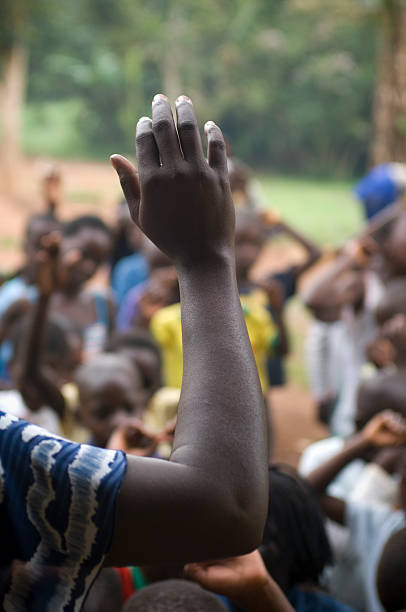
(263, 597)
(213, 265)
(359, 443)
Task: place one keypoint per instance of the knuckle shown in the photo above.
(162, 125)
(217, 144)
(142, 137)
(187, 126)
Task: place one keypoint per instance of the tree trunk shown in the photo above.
(12, 93)
(389, 113)
(172, 81)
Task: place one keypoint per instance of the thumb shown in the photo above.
(129, 184)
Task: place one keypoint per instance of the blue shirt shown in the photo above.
(128, 273)
(57, 514)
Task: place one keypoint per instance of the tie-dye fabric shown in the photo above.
(57, 512)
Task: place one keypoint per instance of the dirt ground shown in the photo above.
(93, 188)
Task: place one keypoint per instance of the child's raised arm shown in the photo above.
(210, 499)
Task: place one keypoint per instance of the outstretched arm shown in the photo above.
(210, 498)
(36, 387)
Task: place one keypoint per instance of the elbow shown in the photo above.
(242, 520)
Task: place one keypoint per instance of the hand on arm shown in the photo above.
(210, 499)
(243, 579)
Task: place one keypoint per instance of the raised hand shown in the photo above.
(181, 201)
(49, 271)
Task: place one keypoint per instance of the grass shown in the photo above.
(324, 210)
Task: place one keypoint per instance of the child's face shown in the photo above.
(248, 245)
(83, 253)
(106, 402)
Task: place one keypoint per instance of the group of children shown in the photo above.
(105, 367)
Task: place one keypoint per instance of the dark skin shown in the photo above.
(243, 579)
(221, 422)
(386, 429)
(37, 382)
(340, 283)
(81, 256)
(110, 393)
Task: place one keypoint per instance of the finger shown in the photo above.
(216, 148)
(164, 131)
(188, 130)
(129, 183)
(147, 150)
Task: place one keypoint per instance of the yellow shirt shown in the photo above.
(167, 330)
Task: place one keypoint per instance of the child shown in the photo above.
(135, 310)
(144, 352)
(109, 393)
(91, 505)
(85, 246)
(337, 347)
(370, 525)
(21, 286)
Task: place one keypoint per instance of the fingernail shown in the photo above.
(183, 99)
(208, 125)
(159, 98)
(143, 119)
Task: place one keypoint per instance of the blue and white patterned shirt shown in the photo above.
(57, 513)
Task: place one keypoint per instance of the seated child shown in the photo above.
(85, 246)
(341, 288)
(370, 525)
(110, 391)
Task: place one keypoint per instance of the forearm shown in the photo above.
(221, 420)
(322, 291)
(34, 341)
(322, 476)
(312, 249)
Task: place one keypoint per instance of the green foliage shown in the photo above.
(324, 210)
(289, 81)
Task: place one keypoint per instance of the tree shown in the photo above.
(389, 114)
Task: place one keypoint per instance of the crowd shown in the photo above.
(136, 436)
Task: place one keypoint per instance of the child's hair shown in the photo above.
(139, 339)
(294, 546)
(385, 391)
(390, 576)
(70, 228)
(135, 342)
(393, 302)
(173, 596)
(105, 594)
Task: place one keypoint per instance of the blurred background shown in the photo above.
(309, 94)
